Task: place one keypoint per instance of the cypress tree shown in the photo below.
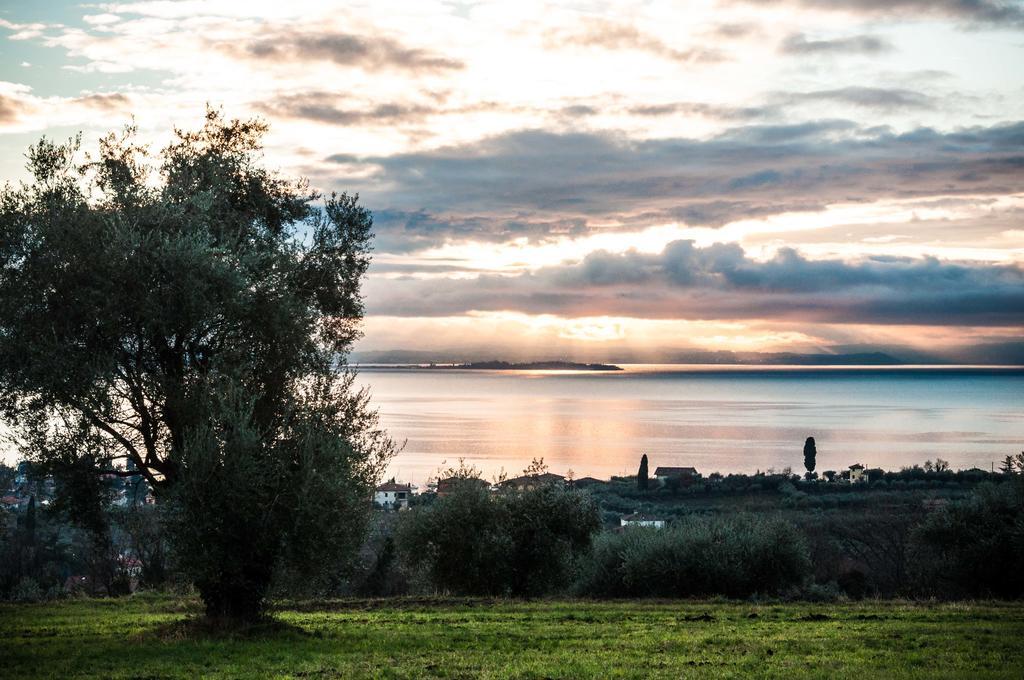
(642, 481)
(810, 453)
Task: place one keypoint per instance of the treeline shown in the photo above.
(549, 541)
(44, 555)
(544, 542)
(99, 537)
(676, 497)
(927, 476)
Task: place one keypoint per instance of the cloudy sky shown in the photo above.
(603, 180)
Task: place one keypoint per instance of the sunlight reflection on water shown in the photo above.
(728, 420)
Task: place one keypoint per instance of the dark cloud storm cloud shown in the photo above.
(521, 183)
(401, 231)
(721, 282)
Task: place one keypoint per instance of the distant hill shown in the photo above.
(788, 358)
(473, 360)
(536, 366)
(860, 359)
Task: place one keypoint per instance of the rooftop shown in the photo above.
(394, 486)
(670, 471)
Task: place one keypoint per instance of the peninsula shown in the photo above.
(532, 366)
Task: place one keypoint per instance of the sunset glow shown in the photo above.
(602, 179)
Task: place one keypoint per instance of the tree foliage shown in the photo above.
(734, 556)
(512, 543)
(975, 547)
(810, 454)
(642, 480)
(192, 320)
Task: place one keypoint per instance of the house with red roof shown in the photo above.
(392, 495)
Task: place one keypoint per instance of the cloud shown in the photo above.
(800, 44)
(720, 282)
(12, 109)
(325, 107)
(399, 231)
(22, 110)
(517, 183)
(346, 49)
(734, 30)
(992, 12)
(615, 36)
(726, 266)
(114, 101)
(579, 110)
(879, 98)
(25, 31)
(704, 110)
(335, 109)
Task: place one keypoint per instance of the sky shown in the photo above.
(602, 180)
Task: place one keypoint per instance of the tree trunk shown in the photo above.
(236, 598)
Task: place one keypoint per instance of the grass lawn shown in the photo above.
(151, 637)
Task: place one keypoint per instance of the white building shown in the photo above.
(641, 520)
(392, 495)
(857, 474)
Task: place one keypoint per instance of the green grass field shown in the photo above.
(156, 637)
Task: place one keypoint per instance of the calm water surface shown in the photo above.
(737, 419)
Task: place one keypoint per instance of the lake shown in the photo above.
(715, 418)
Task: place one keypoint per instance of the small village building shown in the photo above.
(857, 474)
(642, 520)
(686, 475)
(132, 566)
(392, 495)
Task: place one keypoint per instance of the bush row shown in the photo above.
(548, 541)
(545, 541)
(735, 556)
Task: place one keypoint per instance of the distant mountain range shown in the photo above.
(400, 356)
(791, 359)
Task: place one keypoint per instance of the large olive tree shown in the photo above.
(188, 320)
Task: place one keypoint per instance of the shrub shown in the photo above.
(736, 557)
(515, 543)
(820, 592)
(26, 590)
(973, 547)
